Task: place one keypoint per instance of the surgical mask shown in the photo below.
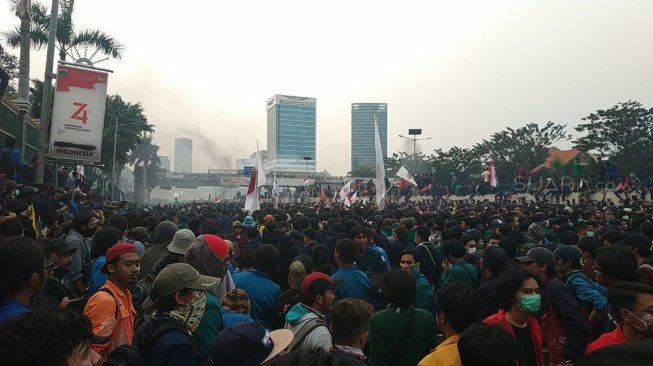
(529, 303)
(590, 234)
(471, 251)
(645, 328)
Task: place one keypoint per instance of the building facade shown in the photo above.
(164, 163)
(183, 155)
(291, 133)
(362, 133)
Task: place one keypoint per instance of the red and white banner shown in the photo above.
(494, 182)
(78, 115)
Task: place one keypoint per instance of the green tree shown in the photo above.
(420, 165)
(145, 154)
(363, 172)
(464, 163)
(131, 124)
(623, 133)
(69, 42)
(524, 147)
(9, 64)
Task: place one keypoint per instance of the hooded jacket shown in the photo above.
(319, 337)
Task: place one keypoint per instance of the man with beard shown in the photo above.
(110, 309)
(60, 255)
(84, 226)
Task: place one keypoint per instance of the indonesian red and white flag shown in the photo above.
(406, 176)
(494, 182)
(323, 196)
(257, 180)
(345, 194)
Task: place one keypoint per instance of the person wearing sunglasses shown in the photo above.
(23, 273)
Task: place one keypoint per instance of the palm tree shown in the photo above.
(34, 32)
(145, 153)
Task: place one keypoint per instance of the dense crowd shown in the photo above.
(488, 283)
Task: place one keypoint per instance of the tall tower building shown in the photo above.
(183, 155)
(165, 163)
(291, 133)
(362, 133)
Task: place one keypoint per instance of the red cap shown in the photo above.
(268, 217)
(218, 246)
(318, 282)
(116, 251)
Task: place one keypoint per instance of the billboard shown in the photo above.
(78, 115)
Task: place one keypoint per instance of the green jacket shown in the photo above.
(387, 328)
(460, 272)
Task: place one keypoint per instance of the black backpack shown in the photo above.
(149, 331)
(124, 355)
(7, 166)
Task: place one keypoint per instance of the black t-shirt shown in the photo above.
(525, 346)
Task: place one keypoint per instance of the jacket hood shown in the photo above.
(298, 313)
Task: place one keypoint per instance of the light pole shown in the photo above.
(414, 132)
(307, 159)
(115, 144)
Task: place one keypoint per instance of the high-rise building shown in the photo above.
(362, 133)
(164, 163)
(291, 133)
(183, 155)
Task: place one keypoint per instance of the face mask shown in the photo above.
(529, 303)
(471, 251)
(644, 327)
(590, 234)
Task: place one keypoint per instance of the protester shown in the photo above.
(59, 254)
(493, 261)
(299, 268)
(458, 307)
(236, 308)
(455, 267)
(163, 236)
(84, 226)
(424, 295)
(400, 335)
(102, 240)
(349, 326)
(355, 283)
(487, 345)
(248, 344)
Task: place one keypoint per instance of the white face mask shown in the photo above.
(471, 251)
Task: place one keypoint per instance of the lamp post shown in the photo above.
(115, 144)
(414, 132)
(307, 159)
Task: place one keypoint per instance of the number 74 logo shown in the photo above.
(80, 113)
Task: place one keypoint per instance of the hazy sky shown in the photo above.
(459, 70)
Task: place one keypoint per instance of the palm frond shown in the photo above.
(12, 37)
(99, 39)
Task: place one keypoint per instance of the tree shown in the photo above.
(623, 133)
(8, 65)
(420, 165)
(463, 162)
(69, 42)
(145, 154)
(363, 172)
(525, 147)
(131, 124)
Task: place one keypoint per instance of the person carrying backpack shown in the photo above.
(11, 161)
(165, 338)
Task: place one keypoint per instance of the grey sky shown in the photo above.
(459, 70)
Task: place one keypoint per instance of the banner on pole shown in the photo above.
(78, 115)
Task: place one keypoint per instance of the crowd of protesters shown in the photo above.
(437, 283)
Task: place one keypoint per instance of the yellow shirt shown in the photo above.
(446, 354)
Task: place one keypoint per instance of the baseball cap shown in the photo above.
(268, 217)
(115, 252)
(179, 276)
(317, 282)
(540, 255)
(237, 224)
(569, 252)
(181, 241)
(247, 344)
(298, 269)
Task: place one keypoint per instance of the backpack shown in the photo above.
(148, 332)
(78, 305)
(142, 290)
(124, 355)
(305, 330)
(7, 166)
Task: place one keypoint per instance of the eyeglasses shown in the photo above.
(596, 269)
(49, 266)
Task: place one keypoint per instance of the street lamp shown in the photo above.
(115, 143)
(414, 132)
(307, 159)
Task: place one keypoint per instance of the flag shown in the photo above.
(275, 191)
(345, 196)
(323, 195)
(308, 181)
(405, 175)
(494, 182)
(380, 169)
(256, 181)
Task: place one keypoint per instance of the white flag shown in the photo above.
(252, 200)
(405, 175)
(345, 196)
(380, 169)
(494, 182)
(275, 191)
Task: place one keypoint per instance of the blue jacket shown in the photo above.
(371, 262)
(229, 319)
(10, 309)
(18, 163)
(565, 305)
(263, 293)
(97, 277)
(590, 294)
(355, 283)
(171, 348)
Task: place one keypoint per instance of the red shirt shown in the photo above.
(608, 339)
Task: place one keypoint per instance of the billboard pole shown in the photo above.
(47, 89)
